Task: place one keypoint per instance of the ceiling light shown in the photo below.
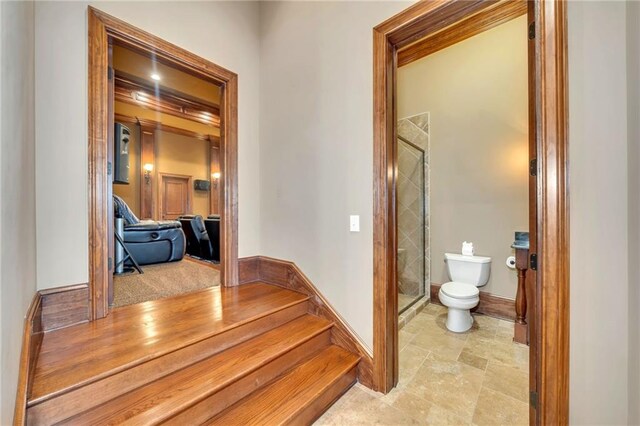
(155, 77)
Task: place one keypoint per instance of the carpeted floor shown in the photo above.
(164, 280)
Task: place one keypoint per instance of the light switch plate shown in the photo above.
(354, 223)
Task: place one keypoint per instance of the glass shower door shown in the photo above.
(411, 197)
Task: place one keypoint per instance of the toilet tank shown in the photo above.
(468, 269)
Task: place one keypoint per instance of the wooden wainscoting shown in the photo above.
(287, 274)
(490, 305)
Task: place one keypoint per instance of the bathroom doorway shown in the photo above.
(445, 24)
(462, 195)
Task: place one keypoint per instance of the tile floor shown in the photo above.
(479, 377)
(404, 300)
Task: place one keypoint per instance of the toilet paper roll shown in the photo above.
(511, 262)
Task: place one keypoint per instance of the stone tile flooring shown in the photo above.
(404, 300)
(479, 377)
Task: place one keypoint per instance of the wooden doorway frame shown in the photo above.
(551, 315)
(102, 29)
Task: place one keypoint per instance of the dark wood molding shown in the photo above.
(287, 274)
(104, 29)
(552, 298)
(31, 340)
(145, 123)
(490, 305)
(64, 306)
(99, 180)
(551, 317)
(136, 92)
(482, 21)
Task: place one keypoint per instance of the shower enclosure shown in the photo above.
(413, 210)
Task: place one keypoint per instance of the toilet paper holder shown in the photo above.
(511, 262)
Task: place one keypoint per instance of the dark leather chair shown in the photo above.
(150, 241)
(155, 242)
(198, 243)
(212, 226)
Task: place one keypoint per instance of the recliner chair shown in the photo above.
(198, 243)
(150, 241)
(212, 224)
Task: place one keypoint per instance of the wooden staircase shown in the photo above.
(245, 355)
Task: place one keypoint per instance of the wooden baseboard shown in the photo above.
(490, 305)
(248, 269)
(31, 341)
(287, 274)
(64, 306)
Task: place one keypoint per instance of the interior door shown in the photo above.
(176, 196)
(532, 285)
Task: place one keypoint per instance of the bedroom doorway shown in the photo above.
(163, 168)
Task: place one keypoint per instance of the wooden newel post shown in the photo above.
(520, 329)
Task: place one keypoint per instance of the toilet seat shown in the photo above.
(459, 290)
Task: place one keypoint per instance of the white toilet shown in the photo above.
(461, 294)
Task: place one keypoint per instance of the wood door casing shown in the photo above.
(531, 280)
(175, 193)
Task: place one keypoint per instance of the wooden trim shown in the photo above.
(161, 177)
(490, 305)
(31, 341)
(99, 181)
(102, 29)
(485, 20)
(64, 306)
(552, 299)
(248, 269)
(152, 124)
(531, 279)
(137, 93)
(168, 92)
(287, 274)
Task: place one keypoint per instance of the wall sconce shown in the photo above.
(215, 177)
(148, 168)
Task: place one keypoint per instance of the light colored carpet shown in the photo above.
(164, 280)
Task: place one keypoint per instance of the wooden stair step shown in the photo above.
(201, 390)
(298, 397)
(131, 336)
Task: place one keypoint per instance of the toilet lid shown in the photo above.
(459, 290)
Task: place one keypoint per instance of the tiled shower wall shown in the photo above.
(413, 207)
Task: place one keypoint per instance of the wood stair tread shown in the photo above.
(170, 395)
(283, 401)
(134, 334)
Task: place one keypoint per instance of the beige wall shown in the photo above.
(223, 32)
(316, 169)
(131, 193)
(316, 153)
(187, 156)
(633, 164)
(476, 94)
(17, 190)
(598, 199)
